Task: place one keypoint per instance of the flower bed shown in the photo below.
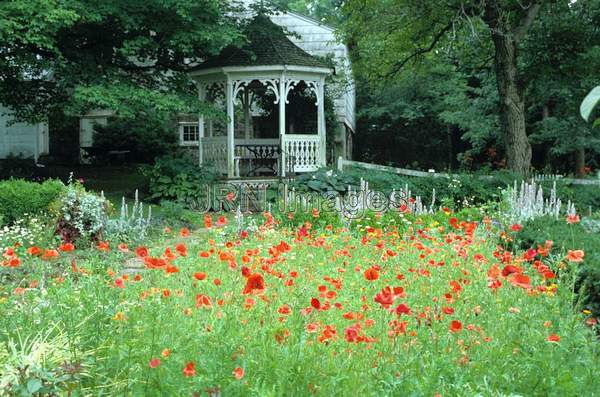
(437, 309)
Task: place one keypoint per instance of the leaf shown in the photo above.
(33, 385)
(589, 103)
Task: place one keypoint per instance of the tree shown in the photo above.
(562, 59)
(388, 35)
(129, 56)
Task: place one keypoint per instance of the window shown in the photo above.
(189, 134)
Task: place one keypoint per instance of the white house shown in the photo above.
(22, 139)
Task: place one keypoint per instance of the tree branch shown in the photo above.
(420, 51)
(521, 29)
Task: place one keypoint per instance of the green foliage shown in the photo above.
(125, 56)
(175, 214)
(145, 140)
(570, 237)
(323, 181)
(19, 197)
(179, 179)
(16, 167)
(46, 363)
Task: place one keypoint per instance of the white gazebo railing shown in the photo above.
(304, 152)
(301, 153)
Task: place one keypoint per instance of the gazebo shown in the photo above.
(268, 64)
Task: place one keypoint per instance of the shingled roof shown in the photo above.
(267, 45)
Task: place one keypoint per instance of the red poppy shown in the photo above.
(66, 247)
(573, 218)
(141, 252)
(207, 221)
(553, 338)
(184, 232)
(50, 254)
(199, 276)
(510, 269)
(35, 251)
(351, 334)
(119, 283)
(516, 227)
(402, 309)
(455, 326)
(285, 310)
(314, 302)
(255, 283)
(14, 262)
(203, 301)
(181, 249)
(520, 280)
(155, 362)
(103, 246)
(222, 221)
(448, 310)
(189, 369)
(371, 274)
(123, 247)
(238, 373)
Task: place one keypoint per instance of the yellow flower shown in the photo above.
(586, 311)
(119, 316)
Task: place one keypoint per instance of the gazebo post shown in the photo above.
(202, 97)
(321, 122)
(247, 112)
(230, 127)
(282, 99)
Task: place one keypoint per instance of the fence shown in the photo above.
(342, 163)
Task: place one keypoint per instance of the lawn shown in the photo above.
(436, 306)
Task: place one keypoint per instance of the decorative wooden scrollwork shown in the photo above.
(273, 86)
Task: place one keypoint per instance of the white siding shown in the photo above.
(22, 139)
(320, 40)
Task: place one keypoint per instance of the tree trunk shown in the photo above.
(580, 162)
(512, 104)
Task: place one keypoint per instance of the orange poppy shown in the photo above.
(575, 256)
(371, 274)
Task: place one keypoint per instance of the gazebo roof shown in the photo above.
(267, 45)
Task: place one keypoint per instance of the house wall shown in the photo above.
(320, 40)
(22, 139)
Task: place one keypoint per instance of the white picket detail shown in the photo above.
(214, 151)
(304, 150)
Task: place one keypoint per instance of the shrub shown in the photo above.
(179, 179)
(570, 237)
(16, 166)
(80, 214)
(145, 142)
(19, 197)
